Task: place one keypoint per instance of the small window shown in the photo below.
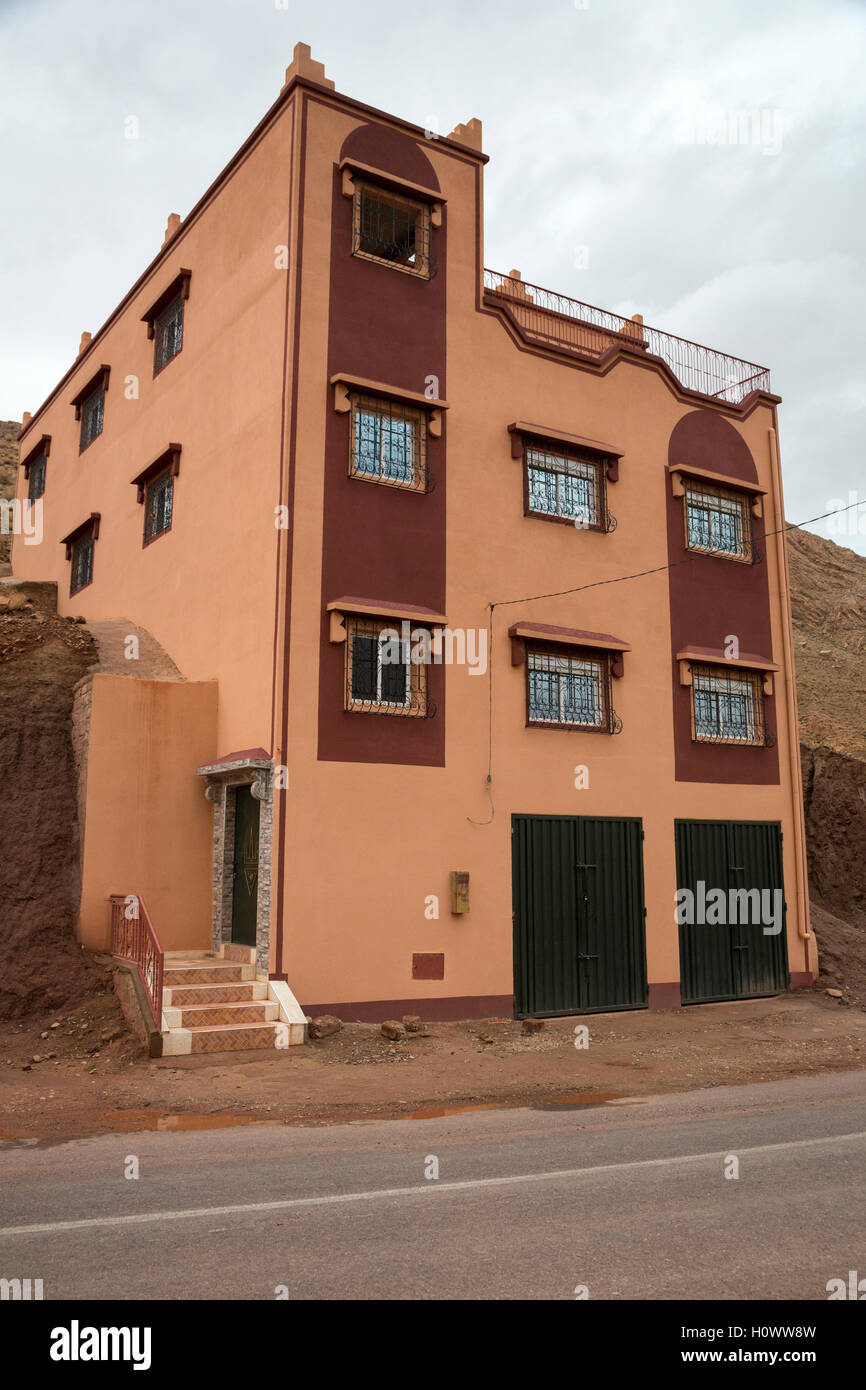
(82, 561)
(717, 521)
(727, 706)
(569, 691)
(389, 443)
(92, 415)
(158, 498)
(385, 673)
(36, 478)
(566, 487)
(391, 228)
(168, 333)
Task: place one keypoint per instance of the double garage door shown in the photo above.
(579, 916)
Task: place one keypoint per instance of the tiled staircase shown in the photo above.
(215, 1003)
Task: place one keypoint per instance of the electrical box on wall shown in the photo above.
(459, 891)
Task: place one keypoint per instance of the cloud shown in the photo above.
(586, 113)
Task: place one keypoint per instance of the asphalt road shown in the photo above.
(629, 1200)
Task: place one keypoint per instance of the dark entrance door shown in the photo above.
(579, 937)
(245, 876)
(731, 960)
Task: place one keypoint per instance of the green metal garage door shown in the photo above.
(731, 959)
(579, 937)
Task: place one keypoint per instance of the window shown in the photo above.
(392, 228)
(389, 443)
(158, 497)
(565, 486)
(168, 333)
(92, 416)
(36, 477)
(385, 673)
(728, 706)
(717, 521)
(569, 691)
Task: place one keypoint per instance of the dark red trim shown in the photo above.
(92, 523)
(99, 378)
(168, 457)
(179, 285)
(801, 979)
(280, 885)
(447, 1010)
(43, 447)
(665, 996)
(602, 365)
(244, 755)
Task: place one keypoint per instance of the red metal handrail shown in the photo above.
(133, 938)
(559, 321)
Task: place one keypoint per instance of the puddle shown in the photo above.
(441, 1112)
(125, 1121)
(568, 1102)
(131, 1121)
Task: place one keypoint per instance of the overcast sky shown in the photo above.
(618, 173)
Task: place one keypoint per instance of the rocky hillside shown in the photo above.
(828, 598)
(8, 469)
(828, 601)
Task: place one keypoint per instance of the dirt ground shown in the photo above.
(92, 1077)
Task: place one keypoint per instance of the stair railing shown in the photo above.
(133, 938)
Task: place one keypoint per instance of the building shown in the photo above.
(431, 749)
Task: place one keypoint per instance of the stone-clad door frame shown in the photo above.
(221, 780)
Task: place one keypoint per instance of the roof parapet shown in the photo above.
(303, 64)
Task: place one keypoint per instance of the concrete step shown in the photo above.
(232, 1037)
(206, 1015)
(216, 972)
(240, 992)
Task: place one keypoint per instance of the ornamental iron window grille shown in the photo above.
(168, 333)
(728, 706)
(384, 674)
(158, 502)
(566, 486)
(389, 443)
(92, 416)
(717, 521)
(391, 228)
(82, 562)
(570, 692)
(36, 478)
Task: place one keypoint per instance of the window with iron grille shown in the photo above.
(82, 561)
(168, 333)
(389, 443)
(384, 674)
(727, 706)
(158, 500)
(92, 413)
(36, 478)
(569, 691)
(566, 486)
(717, 521)
(394, 229)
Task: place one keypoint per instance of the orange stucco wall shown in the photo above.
(147, 826)
(365, 844)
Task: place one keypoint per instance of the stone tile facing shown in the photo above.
(230, 1039)
(207, 1015)
(216, 974)
(243, 992)
(222, 780)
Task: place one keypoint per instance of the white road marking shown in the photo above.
(378, 1194)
